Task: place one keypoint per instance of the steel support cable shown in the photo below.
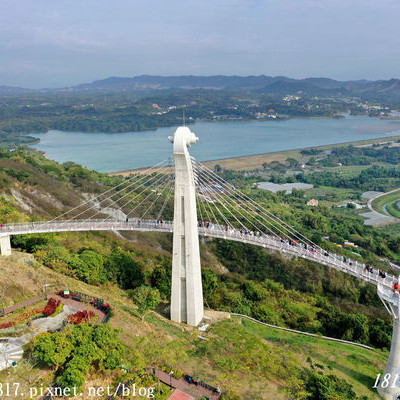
(157, 198)
(257, 228)
(232, 204)
(252, 223)
(276, 220)
(334, 258)
(283, 224)
(212, 212)
(201, 214)
(107, 191)
(202, 202)
(114, 194)
(110, 197)
(152, 176)
(159, 175)
(151, 192)
(205, 204)
(274, 234)
(147, 186)
(223, 216)
(244, 197)
(211, 190)
(199, 204)
(234, 194)
(166, 200)
(197, 196)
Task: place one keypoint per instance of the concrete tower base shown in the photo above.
(5, 245)
(186, 292)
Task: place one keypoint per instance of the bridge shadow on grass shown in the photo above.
(367, 380)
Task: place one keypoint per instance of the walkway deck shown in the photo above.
(352, 267)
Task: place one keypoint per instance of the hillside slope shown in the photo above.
(245, 359)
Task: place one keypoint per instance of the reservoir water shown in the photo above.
(119, 151)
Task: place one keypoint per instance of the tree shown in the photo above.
(291, 161)
(78, 348)
(296, 389)
(380, 333)
(53, 350)
(89, 266)
(312, 161)
(329, 387)
(75, 373)
(210, 283)
(122, 268)
(161, 279)
(146, 298)
(255, 291)
(217, 168)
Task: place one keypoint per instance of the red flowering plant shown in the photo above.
(6, 325)
(81, 316)
(51, 307)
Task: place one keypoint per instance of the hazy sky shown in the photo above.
(55, 43)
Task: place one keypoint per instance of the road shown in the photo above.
(376, 218)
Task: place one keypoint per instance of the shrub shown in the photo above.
(81, 316)
(51, 307)
(6, 325)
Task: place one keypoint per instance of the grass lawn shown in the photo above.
(357, 365)
(331, 194)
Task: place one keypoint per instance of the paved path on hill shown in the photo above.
(25, 303)
(375, 217)
(81, 306)
(191, 389)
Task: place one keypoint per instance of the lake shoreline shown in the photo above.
(219, 142)
(272, 156)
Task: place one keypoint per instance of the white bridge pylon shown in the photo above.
(186, 290)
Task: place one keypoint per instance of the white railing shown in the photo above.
(338, 262)
(81, 225)
(332, 260)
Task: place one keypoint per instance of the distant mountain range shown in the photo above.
(278, 85)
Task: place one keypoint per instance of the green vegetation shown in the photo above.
(367, 155)
(75, 350)
(146, 298)
(12, 140)
(252, 292)
(160, 343)
(105, 111)
(245, 359)
(357, 365)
